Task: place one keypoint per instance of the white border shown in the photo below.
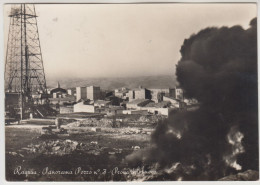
(2, 62)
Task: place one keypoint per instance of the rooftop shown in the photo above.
(162, 104)
(102, 101)
(173, 98)
(122, 91)
(68, 98)
(137, 101)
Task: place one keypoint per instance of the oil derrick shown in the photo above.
(25, 83)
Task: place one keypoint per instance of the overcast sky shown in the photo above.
(120, 40)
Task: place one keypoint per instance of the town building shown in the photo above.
(93, 92)
(49, 91)
(140, 112)
(174, 102)
(81, 93)
(100, 106)
(160, 108)
(162, 104)
(158, 111)
(135, 104)
(71, 91)
(114, 110)
(59, 96)
(179, 93)
(142, 93)
(69, 100)
(90, 92)
(58, 92)
(114, 100)
(121, 93)
(130, 95)
(66, 109)
(157, 94)
(191, 101)
(84, 107)
(102, 103)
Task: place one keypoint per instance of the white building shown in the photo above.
(174, 102)
(130, 95)
(71, 91)
(158, 111)
(81, 107)
(143, 112)
(93, 93)
(179, 93)
(135, 104)
(81, 93)
(157, 94)
(121, 93)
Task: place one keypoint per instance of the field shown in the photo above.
(84, 153)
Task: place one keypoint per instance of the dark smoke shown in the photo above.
(218, 67)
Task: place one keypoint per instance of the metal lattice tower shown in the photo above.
(24, 70)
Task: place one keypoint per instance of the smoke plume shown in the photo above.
(218, 67)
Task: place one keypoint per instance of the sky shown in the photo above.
(124, 40)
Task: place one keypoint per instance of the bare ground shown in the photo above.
(19, 137)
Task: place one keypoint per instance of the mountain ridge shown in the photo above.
(162, 81)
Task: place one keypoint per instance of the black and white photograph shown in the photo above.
(130, 92)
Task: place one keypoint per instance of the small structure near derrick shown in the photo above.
(55, 130)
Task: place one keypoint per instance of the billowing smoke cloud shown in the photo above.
(219, 68)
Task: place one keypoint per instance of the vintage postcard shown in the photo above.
(131, 92)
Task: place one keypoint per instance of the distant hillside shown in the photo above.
(113, 83)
